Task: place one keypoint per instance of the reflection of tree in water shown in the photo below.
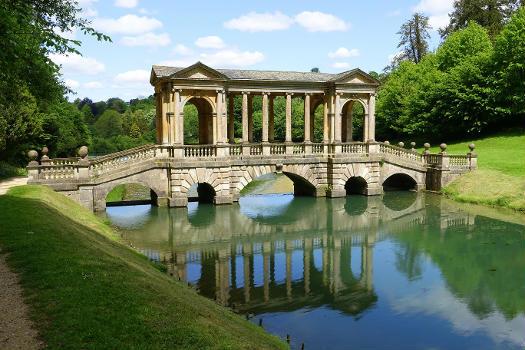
(201, 214)
(486, 271)
(409, 261)
(356, 205)
(399, 200)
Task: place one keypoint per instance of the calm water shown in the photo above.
(407, 270)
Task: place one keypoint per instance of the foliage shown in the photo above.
(414, 35)
(491, 14)
(467, 86)
(109, 124)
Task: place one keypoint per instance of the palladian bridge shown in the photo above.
(221, 168)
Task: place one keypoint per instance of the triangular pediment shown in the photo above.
(198, 71)
(356, 76)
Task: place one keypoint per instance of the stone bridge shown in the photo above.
(221, 172)
(221, 165)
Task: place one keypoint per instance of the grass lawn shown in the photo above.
(86, 290)
(500, 177)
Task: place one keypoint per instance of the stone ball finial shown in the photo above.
(426, 145)
(471, 147)
(412, 144)
(45, 151)
(83, 152)
(387, 142)
(33, 155)
(401, 144)
(443, 147)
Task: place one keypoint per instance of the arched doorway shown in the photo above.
(353, 113)
(198, 121)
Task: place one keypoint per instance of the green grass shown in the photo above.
(500, 177)
(252, 186)
(86, 290)
(8, 170)
(117, 194)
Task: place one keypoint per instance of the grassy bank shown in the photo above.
(88, 291)
(500, 177)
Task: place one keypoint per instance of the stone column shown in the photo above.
(372, 117)
(178, 123)
(165, 115)
(365, 126)
(217, 125)
(288, 246)
(271, 136)
(265, 116)
(250, 118)
(231, 125)
(307, 118)
(245, 116)
(172, 122)
(331, 117)
(337, 121)
(289, 117)
(158, 114)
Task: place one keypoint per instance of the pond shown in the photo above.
(403, 270)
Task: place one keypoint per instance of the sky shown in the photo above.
(334, 36)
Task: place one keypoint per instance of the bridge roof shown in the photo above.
(159, 72)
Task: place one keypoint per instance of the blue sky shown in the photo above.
(271, 35)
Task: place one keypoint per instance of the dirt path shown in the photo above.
(11, 182)
(16, 329)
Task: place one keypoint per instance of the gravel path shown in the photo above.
(11, 182)
(16, 329)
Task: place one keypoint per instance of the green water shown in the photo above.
(407, 270)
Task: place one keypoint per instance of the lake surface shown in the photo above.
(403, 270)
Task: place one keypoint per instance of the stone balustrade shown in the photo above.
(84, 167)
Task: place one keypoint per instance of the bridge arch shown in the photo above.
(356, 179)
(305, 182)
(206, 110)
(400, 182)
(207, 181)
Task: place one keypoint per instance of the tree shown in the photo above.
(315, 70)
(109, 124)
(414, 35)
(490, 14)
(116, 104)
(509, 67)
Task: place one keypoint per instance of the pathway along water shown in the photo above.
(406, 270)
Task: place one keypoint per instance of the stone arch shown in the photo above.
(347, 119)
(206, 109)
(356, 170)
(400, 181)
(305, 181)
(203, 175)
(155, 180)
(356, 185)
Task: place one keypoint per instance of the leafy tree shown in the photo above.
(491, 14)
(315, 70)
(414, 35)
(116, 104)
(509, 69)
(109, 124)
(100, 108)
(87, 115)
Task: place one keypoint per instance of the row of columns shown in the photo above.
(331, 273)
(170, 118)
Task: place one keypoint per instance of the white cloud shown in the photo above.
(93, 85)
(182, 50)
(394, 13)
(87, 8)
(147, 12)
(341, 65)
(232, 58)
(437, 10)
(147, 39)
(393, 56)
(70, 34)
(128, 24)
(133, 76)
(76, 64)
(210, 42)
(260, 22)
(126, 3)
(321, 22)
(72, 83)
(343, 52)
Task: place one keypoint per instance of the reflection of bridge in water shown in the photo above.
(298, 255)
